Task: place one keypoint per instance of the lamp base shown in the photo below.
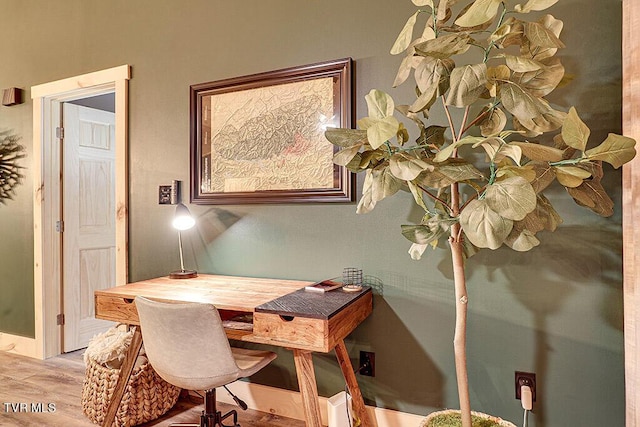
(183, 274)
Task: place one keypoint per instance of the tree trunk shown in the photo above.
(460, 334)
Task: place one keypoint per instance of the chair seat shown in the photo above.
(188, 347)
(251, 361)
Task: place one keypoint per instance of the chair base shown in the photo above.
(211, 417)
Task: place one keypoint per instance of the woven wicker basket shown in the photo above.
(499, 421)
(146, 397)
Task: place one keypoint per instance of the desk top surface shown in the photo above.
(225, 292)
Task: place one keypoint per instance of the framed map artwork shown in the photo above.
(260, 138)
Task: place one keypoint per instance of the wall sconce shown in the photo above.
(11, 96)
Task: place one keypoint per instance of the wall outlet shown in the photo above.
(525, 378)
(367, 363)
(164, 195)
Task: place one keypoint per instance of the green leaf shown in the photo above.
(384, 184)
(494, 123)
(433, 72)
(380, 104)
(378, 184)
(421, 234)
(447, 151)
(345, 137)
(480, 12)
(434, 134)
(615, 150)
(355, 164)
(571, 176)
(416, 251)
(574, 132)
(527, 48)
(540, 36)
(545, 215)
(525, 172)
(534, 5)
(366, 203)
(428, 231)
(445, 46)
(404, 38)
(407, 167)
(380, 131)
(513, 197)
(500, 32)
(545, 175)
(591, 194)
(520, 64)
(467, 84)
(521, 240)
(539, 152)
(497, 149)
(370, 158)
(549, 120)
(543, 81)
(404, 70)
(344, 157)
(484, 227)
(443, 8)
(519, 102)
(417, 195)
(514, 35)
(449, 172)
(425, 100)
(494, 76)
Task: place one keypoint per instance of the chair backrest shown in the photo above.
(186, 344)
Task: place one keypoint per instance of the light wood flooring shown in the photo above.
(59, 380)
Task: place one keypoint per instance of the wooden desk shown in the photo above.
(284, 315)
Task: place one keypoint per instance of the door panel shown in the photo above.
(89, 219)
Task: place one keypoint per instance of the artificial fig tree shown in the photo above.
(494, 102)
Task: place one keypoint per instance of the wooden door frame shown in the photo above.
(631, 209)
(47, 202)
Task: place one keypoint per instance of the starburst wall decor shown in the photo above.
(10, 153)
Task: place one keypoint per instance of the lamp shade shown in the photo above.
(182, 220)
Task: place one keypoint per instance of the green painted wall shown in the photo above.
(556, 310)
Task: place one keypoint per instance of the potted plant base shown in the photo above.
(451, 418)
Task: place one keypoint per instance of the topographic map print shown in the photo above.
(271, 138)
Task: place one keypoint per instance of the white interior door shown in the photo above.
(89, 241)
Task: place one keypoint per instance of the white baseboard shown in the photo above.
(288, 403)
(17, 344)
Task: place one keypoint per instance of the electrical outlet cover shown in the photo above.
(164, 195)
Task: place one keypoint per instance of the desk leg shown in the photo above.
(352, 383)
(308, 387)
(123, 379)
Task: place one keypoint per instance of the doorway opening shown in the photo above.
(49, 101)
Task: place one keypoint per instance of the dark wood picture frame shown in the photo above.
(245, 128)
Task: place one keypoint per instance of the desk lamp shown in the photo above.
(182, 220)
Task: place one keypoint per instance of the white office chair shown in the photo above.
(187, 346)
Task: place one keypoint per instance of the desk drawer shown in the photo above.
(117, 309)
(297, 332)
(311, 333)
